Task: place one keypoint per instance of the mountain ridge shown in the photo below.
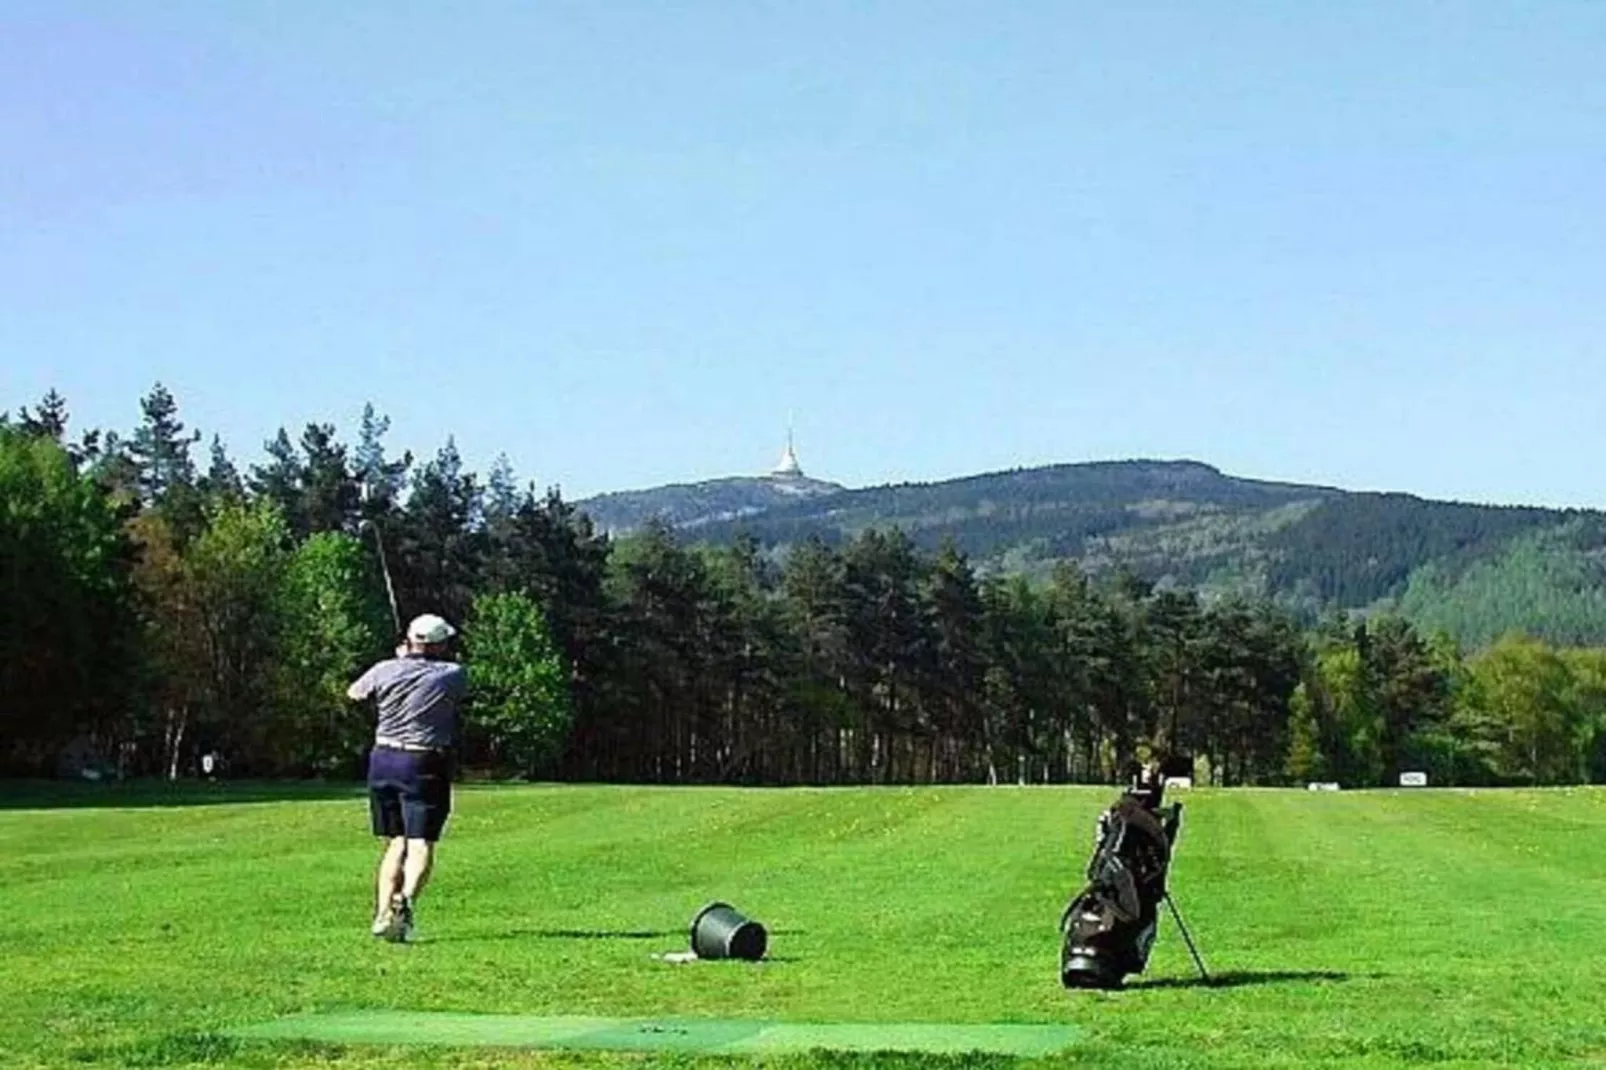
(1472, 568)
(694, 503)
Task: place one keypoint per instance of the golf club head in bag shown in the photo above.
(1108, 928)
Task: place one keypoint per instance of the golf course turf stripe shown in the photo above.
(735, 1036)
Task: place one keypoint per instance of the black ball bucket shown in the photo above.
(719, 932)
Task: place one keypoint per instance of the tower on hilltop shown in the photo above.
(789, 468)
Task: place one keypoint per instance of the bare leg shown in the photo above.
(389, 880)
(420, 859)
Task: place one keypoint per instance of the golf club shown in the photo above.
(384, 566)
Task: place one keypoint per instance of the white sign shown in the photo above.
(1179, 781)
(1413, 780)
(1322, 785)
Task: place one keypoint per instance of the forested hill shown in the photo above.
(1474, 570)
(689, 505)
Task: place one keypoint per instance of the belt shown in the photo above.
(411, 748)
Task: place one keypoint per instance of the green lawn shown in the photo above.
(1374, 928)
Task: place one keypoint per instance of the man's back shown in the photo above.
(418, 700)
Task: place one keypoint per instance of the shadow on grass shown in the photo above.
(555, 934)
(141, 794)
(575, 934)
(601, 934)
(583, 934)
(1245, 979)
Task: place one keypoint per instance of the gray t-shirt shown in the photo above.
(418, 700)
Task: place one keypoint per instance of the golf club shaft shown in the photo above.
(1187, 938)
(384, 566)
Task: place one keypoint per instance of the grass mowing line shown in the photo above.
(701, 1035)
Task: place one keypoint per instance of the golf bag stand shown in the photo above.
(1108, 928)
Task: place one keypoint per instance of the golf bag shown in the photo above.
(1109, 926)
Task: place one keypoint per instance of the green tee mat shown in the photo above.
(737, 1036)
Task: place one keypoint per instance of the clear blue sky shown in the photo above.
(1361, 244)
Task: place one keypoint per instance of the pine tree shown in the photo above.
(511, 557)
(48, 420)
(380, 479)
(1025, 721)
(567, 575)
(888, 642)
(661, 591)
(165, 476)
(114, 470)
(280, 480)
(1412, 691)
(1172, 625)
(222, 479)
(160, 449)
(752, 657)
(1080, 646)
(958, 664)
(502, 497)
(330, 494)
(815, 611)
(440, 542)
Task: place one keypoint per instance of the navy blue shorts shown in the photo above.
(409, 793)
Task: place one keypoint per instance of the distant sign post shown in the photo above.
(1413, 780)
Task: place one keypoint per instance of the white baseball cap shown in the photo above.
(430, 629)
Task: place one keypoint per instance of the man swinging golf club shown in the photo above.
(419, 693)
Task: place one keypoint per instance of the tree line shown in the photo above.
(160, 610)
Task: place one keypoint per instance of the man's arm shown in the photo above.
(362, 687)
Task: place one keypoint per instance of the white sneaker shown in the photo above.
(382, 922)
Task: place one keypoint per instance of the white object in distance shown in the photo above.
(1413, 780)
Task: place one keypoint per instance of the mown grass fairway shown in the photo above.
(1375, 928)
